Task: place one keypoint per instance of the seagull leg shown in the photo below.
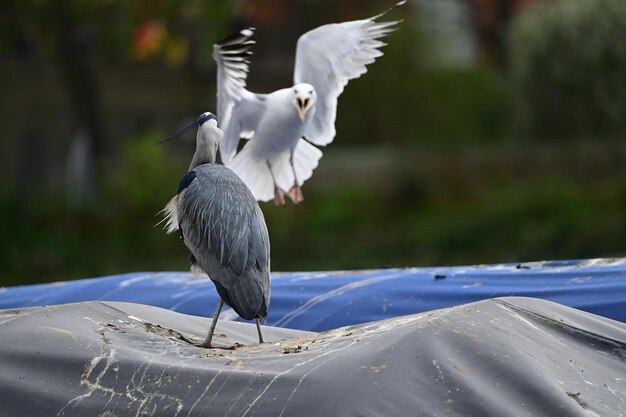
(295, 193)
(258, 329)
(207, 341)
(279, 194)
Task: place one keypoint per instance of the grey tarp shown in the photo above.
(498, 357)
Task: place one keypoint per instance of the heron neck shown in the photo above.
(205, 150)
(202, 156)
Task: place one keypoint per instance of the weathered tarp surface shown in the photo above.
(325, 300)
(500, 357)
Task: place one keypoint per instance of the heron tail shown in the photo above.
(246, 298)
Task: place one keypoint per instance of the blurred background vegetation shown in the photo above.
(490, 131)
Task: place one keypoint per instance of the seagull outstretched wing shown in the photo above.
(328, 57)
(239, 111)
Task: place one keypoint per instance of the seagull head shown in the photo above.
(304, 98)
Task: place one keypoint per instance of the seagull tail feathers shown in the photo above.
(305, 159)
(254, 172)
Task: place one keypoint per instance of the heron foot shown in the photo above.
(279, 196)
(223, 347)
(295, 194)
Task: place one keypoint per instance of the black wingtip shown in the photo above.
(237, 38)
(395, 6)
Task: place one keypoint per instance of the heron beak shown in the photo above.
(302, 107)
(203, 118)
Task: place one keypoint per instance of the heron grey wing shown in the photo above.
(244, 118)
(260, 246)
(250, 254)
(219, 218)
(260, 241)
(328, 57)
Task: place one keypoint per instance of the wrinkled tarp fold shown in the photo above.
(499, 357)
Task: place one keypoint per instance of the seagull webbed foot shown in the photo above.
(295, 194)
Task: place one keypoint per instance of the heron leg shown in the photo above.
(207, 341)
(295, 192)
(279, 194)
(258, 329)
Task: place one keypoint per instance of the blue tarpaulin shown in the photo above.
(324, 300)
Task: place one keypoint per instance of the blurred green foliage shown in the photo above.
(147, 30)
(399, 220)
(146, 174)
(544, 218)
(569, 69)
(117, 233)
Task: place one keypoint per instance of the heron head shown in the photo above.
(199, 122)
(304, 98)
(207, 139)
(207, 128)
(205, 117)
(209, 135)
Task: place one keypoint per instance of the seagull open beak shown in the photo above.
(302, 106)
(203, 118)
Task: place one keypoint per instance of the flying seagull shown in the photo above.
(222, 224)
(283, 126)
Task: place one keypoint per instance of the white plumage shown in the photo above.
(284, 125)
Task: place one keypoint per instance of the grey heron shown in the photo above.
(223, 226)
(284, 126)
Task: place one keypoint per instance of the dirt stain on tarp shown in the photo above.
(9, 312)
(378, 368)
(294, 349)
(576, 397)
(169, 333)
(174, 335)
